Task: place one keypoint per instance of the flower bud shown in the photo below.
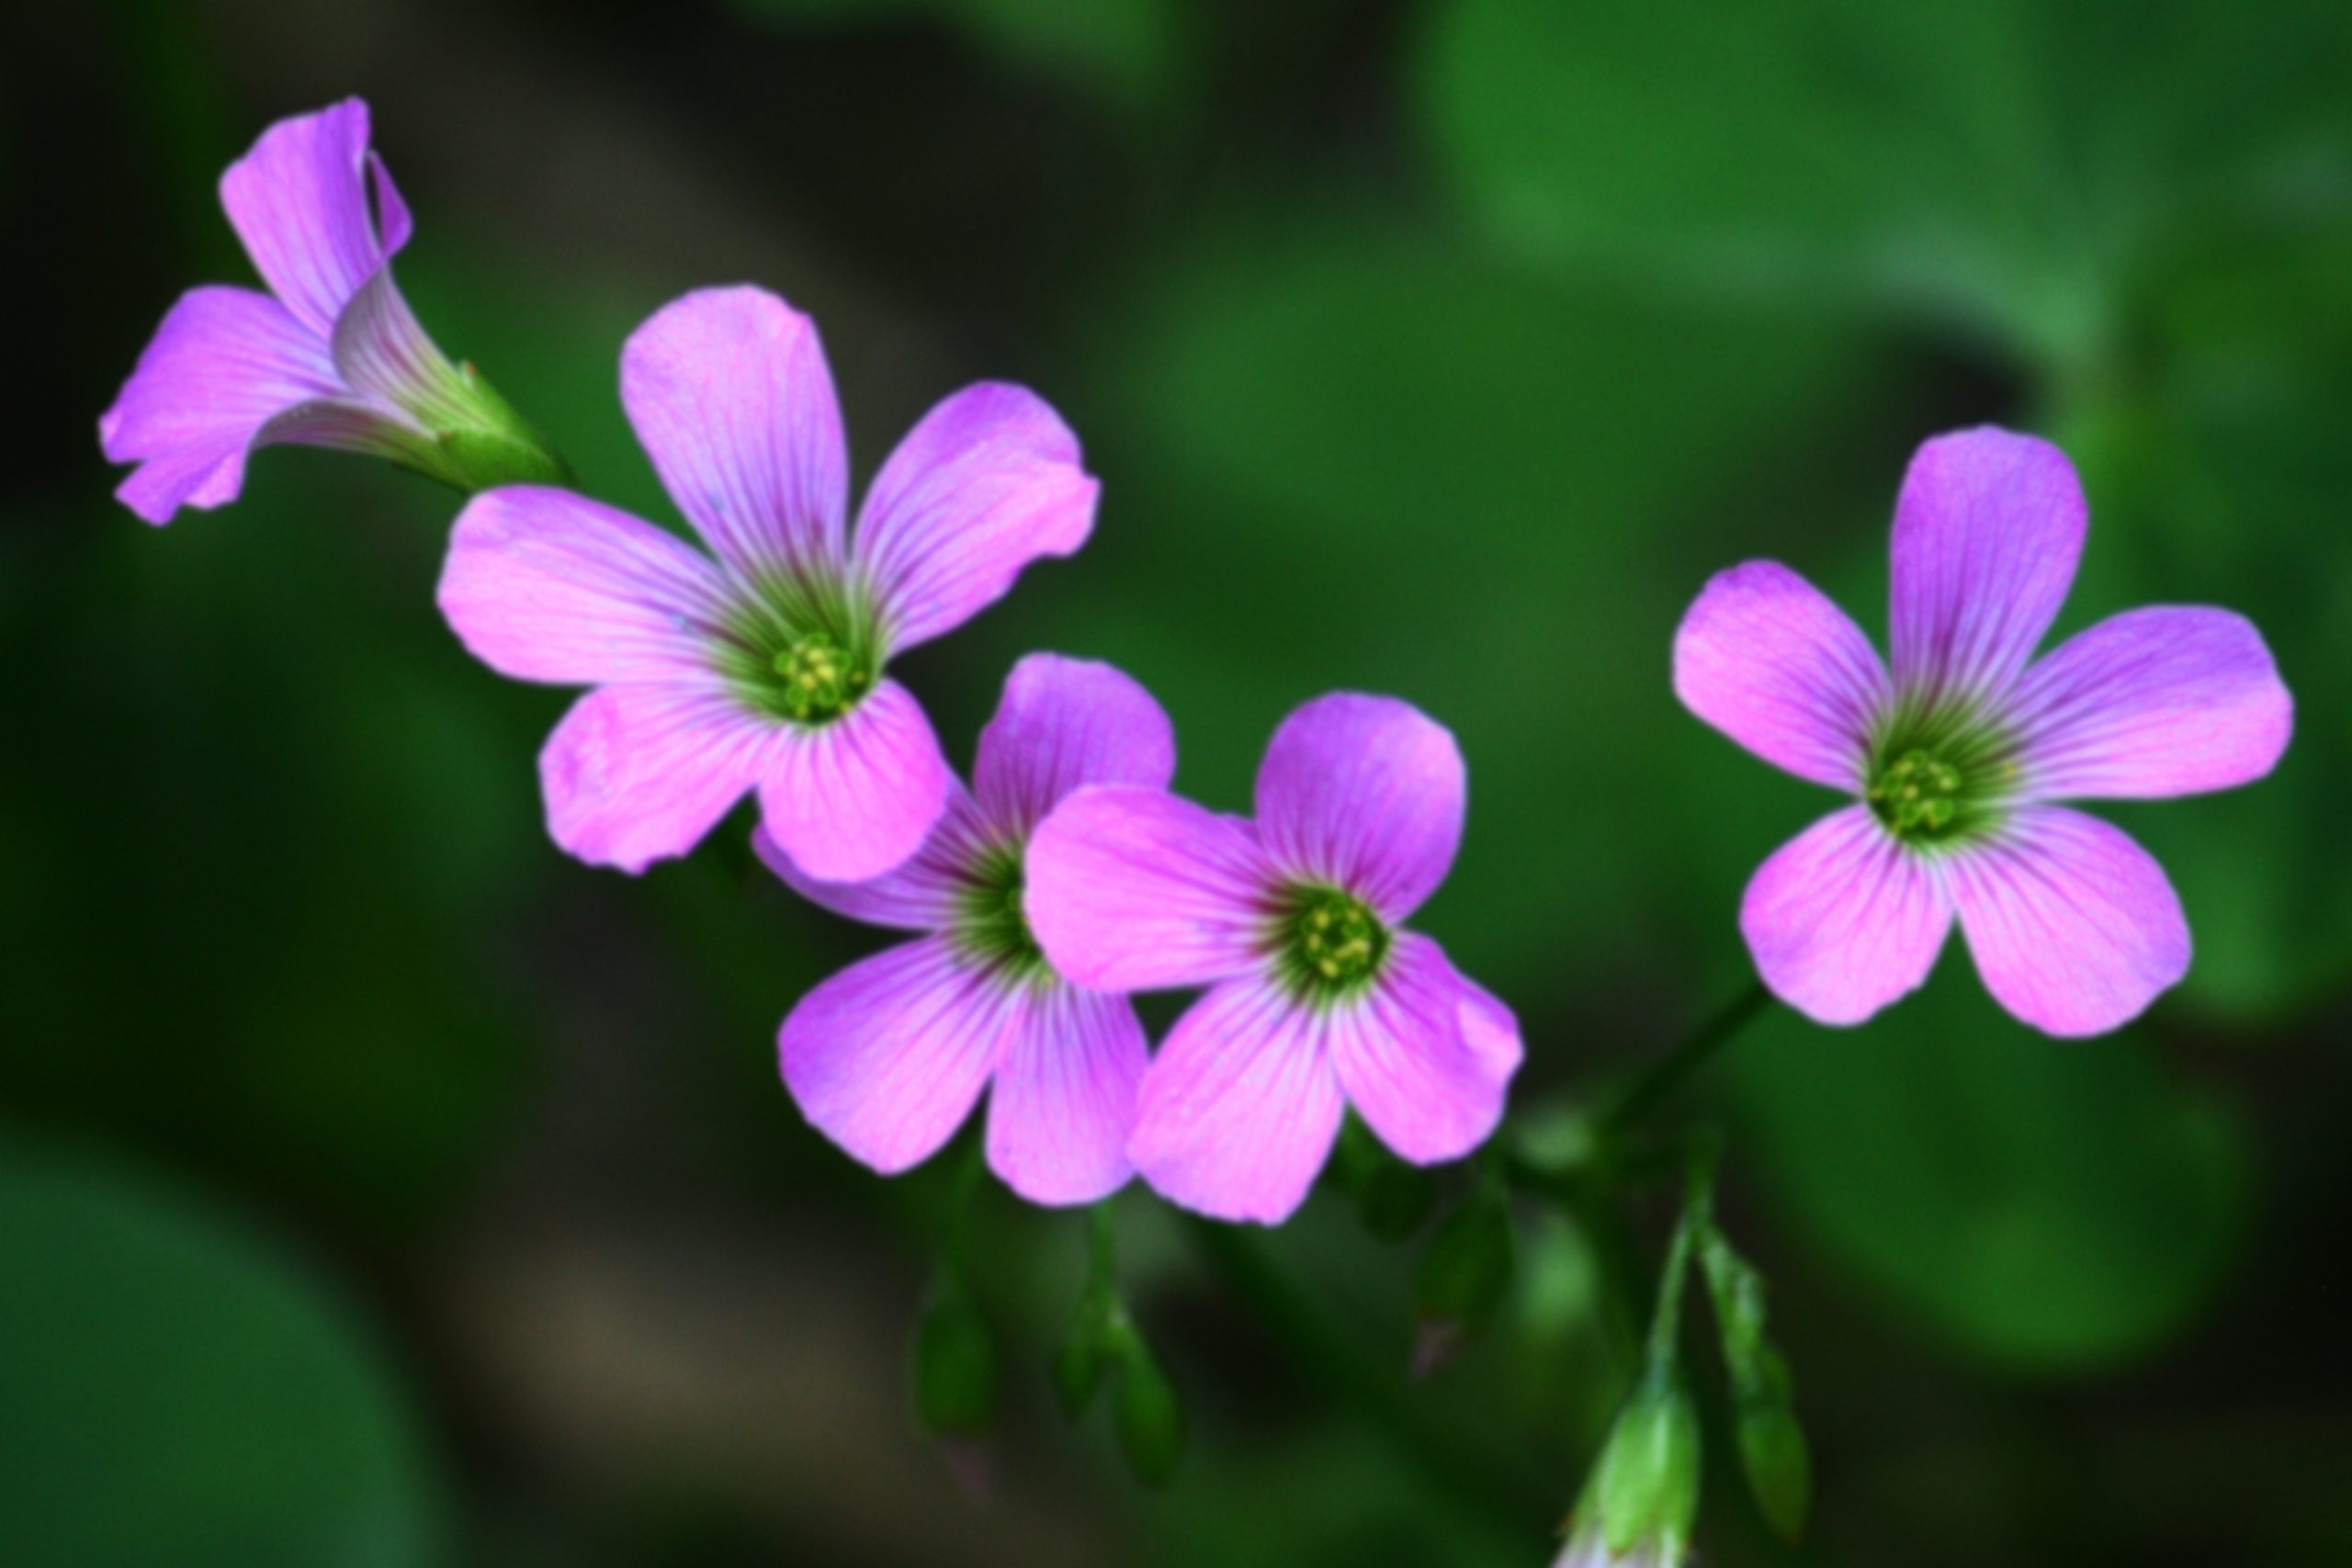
(1772, 1451)
(1642, 1498)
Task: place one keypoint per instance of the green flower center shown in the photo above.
(1941, 775)
(1331, 944)
(990, 924)
(802, 651)
(818, 679)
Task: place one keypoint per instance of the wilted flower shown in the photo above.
(331, 356)
(1319, 1000)
(762, 669)
(887, 1057)
(1956, 755)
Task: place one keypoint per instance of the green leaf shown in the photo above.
(2057, 1205)
(176, 1391)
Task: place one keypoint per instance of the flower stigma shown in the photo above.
(1330, 941)
(1939, 777)
(821, 679)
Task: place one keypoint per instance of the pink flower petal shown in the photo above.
(1842, 919)
(2161, 701)
(988, 481)
(1063, 723)
(298, 200)
(2073, 926)
(923, 893)
(638, 774)
(541, 584)
(224, 363)
(1238, 1110)
(1064, 1099)
(889, 1057)
(1365, 793)
(855, 798)
(1766, 658)
(1422, 1055)
(1130, 889)
(730, 395)
(1988, 533)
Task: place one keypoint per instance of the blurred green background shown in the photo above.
(378, 1188)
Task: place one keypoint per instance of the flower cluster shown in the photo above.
(1066, 875)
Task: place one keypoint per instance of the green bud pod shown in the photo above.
(1149, 1414)
(1467, 1270)
(1644, 1490)
(1779, 1467)
(955, 1365)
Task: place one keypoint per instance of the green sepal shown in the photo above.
(474, 440)
(954, 1364)
(1149, 1414)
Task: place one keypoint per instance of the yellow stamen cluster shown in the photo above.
(820, 679)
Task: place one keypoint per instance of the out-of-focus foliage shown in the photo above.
(179, 1394)
(1437, 348)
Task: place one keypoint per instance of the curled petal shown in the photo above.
(887, 1057)
(1766, 658)
(1988, 533)
(224, 365)
(1063, 1105)
(2075, 927)
(2162, 701)
(298, 200)
(1131, 889)
(638, 773)
(923, 893)
(855, 798)
(1424, 1056)
(730, 395)
(1365, 793)
(988, 481)
(1842, 920)
(542, 584)
(1238, 1110)
(1064, 723)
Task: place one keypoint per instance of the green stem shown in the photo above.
(1334, 1358)
(1658, 1085)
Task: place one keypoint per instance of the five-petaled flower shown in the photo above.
(331, 356)
(1318, 998)
(761, 669)
(1956, 755)
(887, 1057)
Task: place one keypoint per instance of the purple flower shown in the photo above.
(331, 356)
(761, 669)
(1318, 999)
(888, 1056)
(1956, 755)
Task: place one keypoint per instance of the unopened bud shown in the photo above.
(1642, 1498)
